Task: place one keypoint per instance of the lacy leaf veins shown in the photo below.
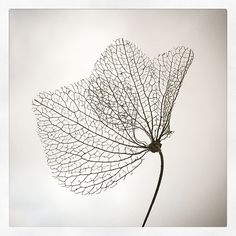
(90, 129)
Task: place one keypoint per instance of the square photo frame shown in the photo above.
(85, 69)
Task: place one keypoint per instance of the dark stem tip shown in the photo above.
(155, 146)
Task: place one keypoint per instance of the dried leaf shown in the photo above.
(91, 129)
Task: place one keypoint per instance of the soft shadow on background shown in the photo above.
(53, 48)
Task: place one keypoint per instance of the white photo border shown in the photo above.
(6, 5)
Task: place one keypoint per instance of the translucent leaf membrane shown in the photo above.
(169, 71)
(89, 129)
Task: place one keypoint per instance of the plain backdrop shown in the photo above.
(53, 48)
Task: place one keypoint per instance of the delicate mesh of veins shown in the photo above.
(89, 129)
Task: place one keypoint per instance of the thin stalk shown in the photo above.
(157, 188)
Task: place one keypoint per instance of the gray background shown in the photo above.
(49, 49)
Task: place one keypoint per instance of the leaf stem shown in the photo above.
(157, 188)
